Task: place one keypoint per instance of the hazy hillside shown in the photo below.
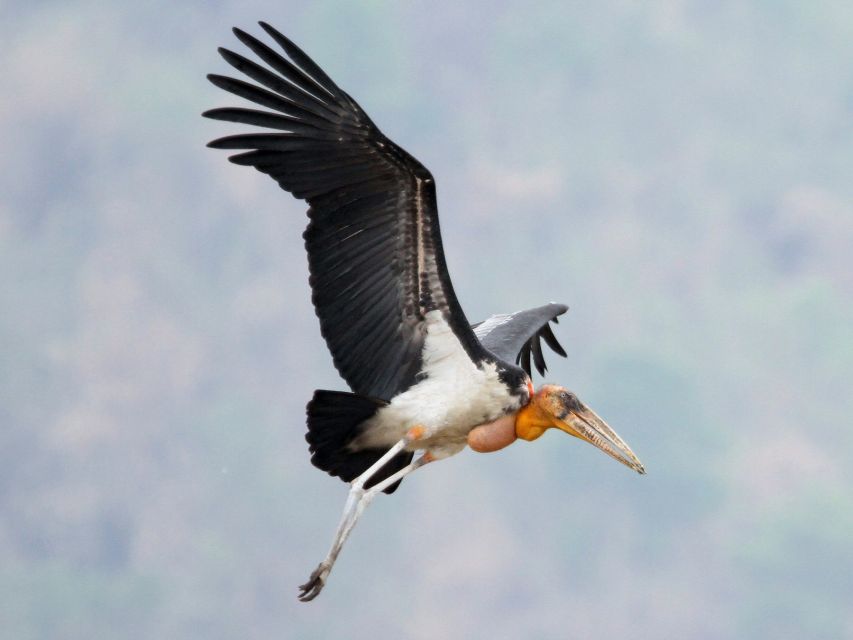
(679, 172)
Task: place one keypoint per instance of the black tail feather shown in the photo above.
(334, 420)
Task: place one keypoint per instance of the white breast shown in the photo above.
(454, 397)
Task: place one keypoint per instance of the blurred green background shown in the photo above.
(679, 172)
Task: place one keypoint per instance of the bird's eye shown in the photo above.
(570, 400)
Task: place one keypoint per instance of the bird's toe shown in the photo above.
(315, 584)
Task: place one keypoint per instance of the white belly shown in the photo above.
(455, 396)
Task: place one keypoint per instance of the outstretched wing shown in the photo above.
(515, 336)
(374, 246)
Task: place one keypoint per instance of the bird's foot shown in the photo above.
(315, 584)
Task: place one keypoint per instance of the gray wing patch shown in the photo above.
(516, 337)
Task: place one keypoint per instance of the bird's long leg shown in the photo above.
(399, 475)
(357, 501)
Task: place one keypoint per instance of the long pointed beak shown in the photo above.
(587, 425)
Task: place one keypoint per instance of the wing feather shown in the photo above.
(515, 337)
(373, 240)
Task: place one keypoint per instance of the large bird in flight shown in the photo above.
(424, 381)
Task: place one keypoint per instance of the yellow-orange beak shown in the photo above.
(556, 407)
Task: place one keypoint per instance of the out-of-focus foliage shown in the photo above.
(679, 172)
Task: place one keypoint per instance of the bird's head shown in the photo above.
(556, 407)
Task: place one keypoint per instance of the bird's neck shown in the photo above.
(531, 421)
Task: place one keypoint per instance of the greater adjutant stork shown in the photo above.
(423, 380)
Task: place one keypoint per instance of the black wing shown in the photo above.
(515, 336)
(374, 246)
